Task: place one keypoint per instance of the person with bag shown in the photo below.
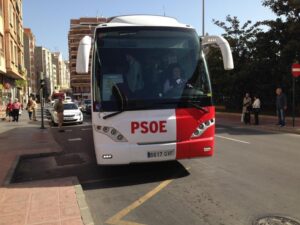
(29, 108)
(256, 109)
(34, 107)
(247, 103)
(59, 109)
(16, 110)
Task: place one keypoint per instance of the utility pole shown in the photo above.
(203, 18)
(42, 83)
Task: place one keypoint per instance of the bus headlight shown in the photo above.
(111, 132)
(202, 127)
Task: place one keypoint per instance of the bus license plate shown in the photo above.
(160, 154)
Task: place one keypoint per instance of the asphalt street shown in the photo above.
(252, 174)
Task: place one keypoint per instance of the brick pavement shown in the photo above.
(40, 202)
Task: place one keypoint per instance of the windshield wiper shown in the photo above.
(112, 114)
(198, 106)
(122, 100)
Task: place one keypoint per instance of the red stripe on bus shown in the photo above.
(187, 120)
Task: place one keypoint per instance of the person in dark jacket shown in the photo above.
(281, 106)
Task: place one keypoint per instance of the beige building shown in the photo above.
(12, 69)
(80, 83)
(62, 72)
(29, 46)
(65, 78)
(44, 68)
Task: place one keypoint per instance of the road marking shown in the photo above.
(75, 139)
(232, 139)
(117, 219)
(86, 128)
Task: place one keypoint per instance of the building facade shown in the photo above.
(44, 68)
(29, 47)
(80, 83)
(12, 69)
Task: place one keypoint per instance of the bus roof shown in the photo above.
(143, 20)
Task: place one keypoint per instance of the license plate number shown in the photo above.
(68, 118)
(160, 154)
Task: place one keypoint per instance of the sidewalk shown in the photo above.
(55, 202)
(266, 122)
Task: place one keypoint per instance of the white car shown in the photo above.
(72, 114)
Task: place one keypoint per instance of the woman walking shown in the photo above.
(29, 108)
(16, 109)
(9, 110)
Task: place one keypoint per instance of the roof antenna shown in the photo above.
(164, 10)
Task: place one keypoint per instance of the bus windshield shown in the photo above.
(148, 66)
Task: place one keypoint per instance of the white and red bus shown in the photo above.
(151, 91)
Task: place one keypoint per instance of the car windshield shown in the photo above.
(70, 106)
(149, 65)
(87, 101)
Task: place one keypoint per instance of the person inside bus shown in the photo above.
(134, 74)
(175, 81)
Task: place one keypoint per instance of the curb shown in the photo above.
(11, 171)
(83, 206)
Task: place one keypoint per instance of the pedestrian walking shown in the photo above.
(256, 109)
(247, 103)
(29, 108)
(9, 110)
(281, 107)
(59, 109)
(16, 110)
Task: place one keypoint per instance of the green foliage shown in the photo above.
(263, 54)
(20, 83)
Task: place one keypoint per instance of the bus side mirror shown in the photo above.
(225, 49)
(83, 55)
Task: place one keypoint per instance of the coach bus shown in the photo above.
(150, 88)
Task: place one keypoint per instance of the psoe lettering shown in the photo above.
(145, 127)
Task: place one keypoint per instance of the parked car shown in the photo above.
(84, 104)
(72, 114)
(88, 108)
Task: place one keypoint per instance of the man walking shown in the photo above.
(59, 109)
(281, 106)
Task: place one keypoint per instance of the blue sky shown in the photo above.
(50, 19)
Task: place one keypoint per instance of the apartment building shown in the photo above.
(80, 83)
(44, 68)
(65, 78)
(29, 47)
(12, 69)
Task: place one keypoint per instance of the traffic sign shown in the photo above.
(296, 69)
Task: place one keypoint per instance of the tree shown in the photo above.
(262, 53)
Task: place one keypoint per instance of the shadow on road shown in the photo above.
(117, 176)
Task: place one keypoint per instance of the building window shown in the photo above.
(12, 56)
(1, 8)
(11, 14)
(16, 56)
(1, 44)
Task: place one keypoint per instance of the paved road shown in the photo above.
(252, 174)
